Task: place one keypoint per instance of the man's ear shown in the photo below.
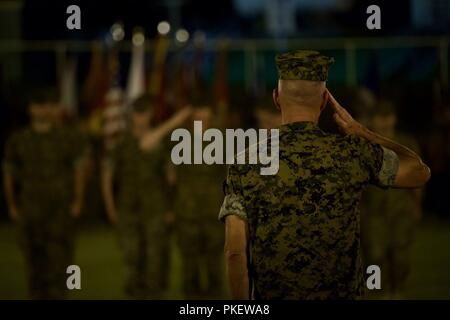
(275, 98)
(324, 100)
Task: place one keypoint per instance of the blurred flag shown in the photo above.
(136, 74)
(179, 89)
(157, 83)
(197, 83)
(221, 81)
(114, 117)
(103, 76)
(68, 87)
(97, 82)
(95, 87)
(114, 113)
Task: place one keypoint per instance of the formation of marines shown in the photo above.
(293, 235)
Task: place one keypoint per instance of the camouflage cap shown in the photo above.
(303, 65)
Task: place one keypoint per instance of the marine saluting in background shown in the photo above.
(138, 163)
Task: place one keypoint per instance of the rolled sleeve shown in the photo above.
(232, 205)
(381, 163)
(389, 168)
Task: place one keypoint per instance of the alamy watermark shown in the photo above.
(74, 279)
(239, 145)
(374, 279)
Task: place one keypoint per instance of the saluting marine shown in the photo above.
(138, 165)
(43, 177)
(199, 236)
(301, 227)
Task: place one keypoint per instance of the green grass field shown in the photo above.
(100, 260)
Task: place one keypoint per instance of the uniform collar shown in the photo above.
(300, 126)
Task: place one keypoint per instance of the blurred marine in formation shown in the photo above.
(199, 236)
(389, 216)
(43, 182)
(296, 234)
(138, 163)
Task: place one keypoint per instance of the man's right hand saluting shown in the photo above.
(411, 172)
(343, 119)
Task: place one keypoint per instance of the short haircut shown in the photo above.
(144, 103)
(43, 95)
(304, 92)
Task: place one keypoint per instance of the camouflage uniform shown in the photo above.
(43, 164)
(200, 237)
(387, 229)
(303, 222)
(141, 182)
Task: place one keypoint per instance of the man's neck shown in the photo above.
(287, 116)
(41, 126)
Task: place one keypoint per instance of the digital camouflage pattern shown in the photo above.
(304, 225)
(387, 229)
(199, 236)
(303, 65)
(141, 189)
(42, 165)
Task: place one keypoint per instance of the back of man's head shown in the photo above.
(302, 75)
(301, 93)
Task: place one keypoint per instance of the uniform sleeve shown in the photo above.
(11, 158)
(382, 164)
(233, 203)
